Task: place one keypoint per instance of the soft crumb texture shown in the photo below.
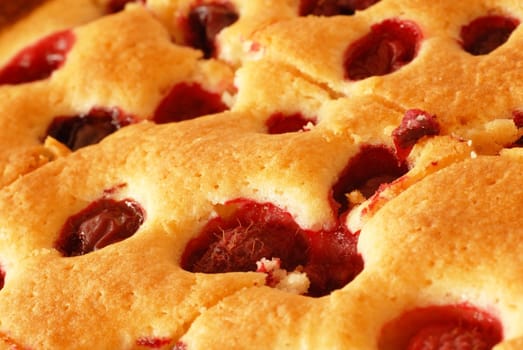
(261, 174)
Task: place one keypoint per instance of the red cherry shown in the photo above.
(485, 34)
(205, 22)
(187, 101)
(390, 45)
(87, 129)
(38, 61)
(280, 123)
(103, 222)
(333, 7)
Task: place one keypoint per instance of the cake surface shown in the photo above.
(184, 174)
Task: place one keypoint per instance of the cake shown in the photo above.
(261, 175)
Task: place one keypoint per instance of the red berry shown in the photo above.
(154, 343)
(205, 22)
(118, 5)
(448, 337)
(39, 60)
(280, 123)
(87, 129)
(443, 327)
(187, 101)
(390, 45)
(103, 222)
(485, 34)
(253, 231)
(333, 7)
(366, 171)
(414, 125)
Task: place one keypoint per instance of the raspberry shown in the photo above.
(390, 45)
(38, 61)
(103, 222)
(485, 34)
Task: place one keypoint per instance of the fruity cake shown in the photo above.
(248, 174)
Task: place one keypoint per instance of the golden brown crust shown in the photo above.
(444, 233)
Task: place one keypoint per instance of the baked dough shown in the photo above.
(356, 187)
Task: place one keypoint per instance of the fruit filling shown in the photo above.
(366, 172)
(87, 129)
(2, 278)
(38, 61)
(280, 123)
(118, 5)
(448, 327)
(251, 236)
(187, 101)
(333, 7)
(103, 222)
(485, 34)
(153, 343)
(390, 45)
(414, 125)
(205, 22)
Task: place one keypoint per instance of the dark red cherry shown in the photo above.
(414, 125)
(10, 11)
(187, 101)
(39, 60)
(442, 327)
(205, 22)
(118, 5)
(237, 242)
(101, 223)
(180, 346)
(372, 167)
(280, 123)
(153, 343)
(87, 129)
(251, 231)
(333, 7)
(2, 278)
(390, 45)
(485, 34)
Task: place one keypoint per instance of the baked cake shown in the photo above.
(261, 174)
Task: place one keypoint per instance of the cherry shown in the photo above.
(414, 125)
(333, 7)
(390, 45)
(38, 61)
(2, 278)
(180, 346)
(280, 123)
(442, 327)
(251, 231)
(118, 5)
(154, 343)
(483, 35)
(205, 22)
(187, 101)
(366, 172)
(87, 129)
(103, 222)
